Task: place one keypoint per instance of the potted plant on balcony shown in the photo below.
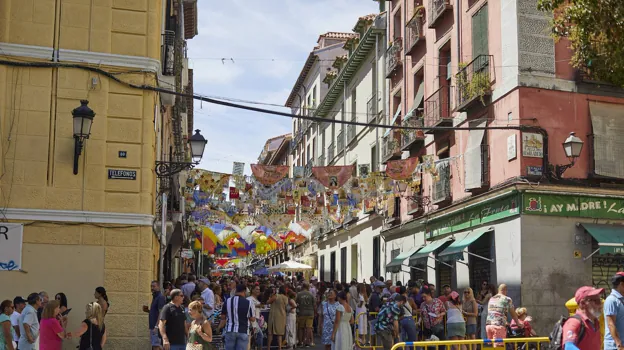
(478, 85)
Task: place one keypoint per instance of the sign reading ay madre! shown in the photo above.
(576, 206)
(11, 246)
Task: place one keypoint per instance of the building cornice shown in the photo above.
(38, 52)
(76, 56)
(100, 58)
(87, 217)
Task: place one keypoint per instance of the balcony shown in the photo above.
(412, 138)
(295, 141)
(438, 109)
(330, 153)
(441, 190)
(167, 58)
(340, 145)
(390, 147)
(393, 56)
(474, 83)
(371, 109)
(351, 132)
(437, 8)
(307, 170)
(414, 32)
(320, 161)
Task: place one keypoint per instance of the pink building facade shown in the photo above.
(496, 209)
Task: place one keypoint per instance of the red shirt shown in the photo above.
(592, 339)
(527, 327)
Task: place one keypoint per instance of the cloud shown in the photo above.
(269, 41)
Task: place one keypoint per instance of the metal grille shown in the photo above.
(393, 55)
(414, 31)
(371, 108)
(436, 9)
(168, 53)
(473, 79)
(442, 187)
(438, 106)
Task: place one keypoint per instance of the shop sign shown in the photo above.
(186, 254)
(115, 174)
(534, 171)
(574, 206)
(11, 238)
(532, 145)
(483, 214)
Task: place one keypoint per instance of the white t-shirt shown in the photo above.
(209, 300)
(15, 322)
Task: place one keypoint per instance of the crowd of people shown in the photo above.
(38, 323)
(240, 313)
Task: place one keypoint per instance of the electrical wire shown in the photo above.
(255, 109)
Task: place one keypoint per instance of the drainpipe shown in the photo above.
(458, 26)
(376, 93)
(344, 126)
(405, 66)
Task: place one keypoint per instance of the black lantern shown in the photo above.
(83, 119)
(572, 147)
(198, 144)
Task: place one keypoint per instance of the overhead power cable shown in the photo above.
(251, 108)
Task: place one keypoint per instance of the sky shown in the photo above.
(265, 44)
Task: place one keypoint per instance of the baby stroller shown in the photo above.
(518, 333)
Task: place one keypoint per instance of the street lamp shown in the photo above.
(83, 119)
(197, 144)
(572, 147)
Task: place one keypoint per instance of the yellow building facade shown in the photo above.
(86, 230)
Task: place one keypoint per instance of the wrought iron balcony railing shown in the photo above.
(320, 161)
(438, 107)
(307, 170)
(409, 137)
(442, 188)
(474, 82)
(414, 31)
(371, 109)
(330, 152)
(351, 132)
(390, 147)
(168, 53)
(393, 56)
(437, 9)
(340, 142)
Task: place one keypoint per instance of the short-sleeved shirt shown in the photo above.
(305, 302)
(158, 301)
(15, 322)
(48, 338)
(175, 328)
(237, 310)
(427, 310)
(614, 306)
(498, 308)
(591, 336)
(389, 313)
(188, 289)
(209, 299)
(29, 317)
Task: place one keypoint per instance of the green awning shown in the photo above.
(428, 249)
(462, 241)
(394, 266)
(610, 237)
(418, 99)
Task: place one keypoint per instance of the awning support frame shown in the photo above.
(442, 262)
(592, 254)
(480, 257)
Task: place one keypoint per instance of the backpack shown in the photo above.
(556, 336)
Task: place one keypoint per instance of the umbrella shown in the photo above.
(290, 265)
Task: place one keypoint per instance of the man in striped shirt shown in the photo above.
(236, 316)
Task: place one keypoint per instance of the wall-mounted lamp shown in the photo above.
(572, 147)
(197, 144)
(83, 119)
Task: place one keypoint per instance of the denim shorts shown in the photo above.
(471, 329)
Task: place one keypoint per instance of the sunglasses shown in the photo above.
(466, 292)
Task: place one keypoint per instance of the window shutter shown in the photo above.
(480, 32)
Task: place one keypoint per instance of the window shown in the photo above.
(314, 101)
(332, 266)
(314, 148)
(343, 264)
(376, 256)
(397, 26)
(374, 159)
(322, 268)
(480, 32)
